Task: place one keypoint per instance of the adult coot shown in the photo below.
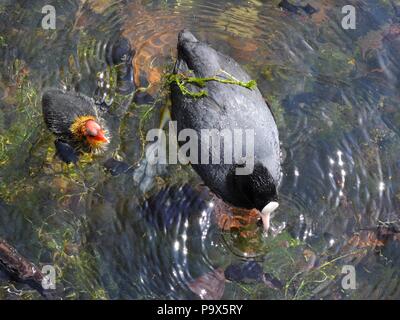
(73, 119)
(227, 106)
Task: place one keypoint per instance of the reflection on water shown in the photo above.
(156, 234)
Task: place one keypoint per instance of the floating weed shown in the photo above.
(181, 80)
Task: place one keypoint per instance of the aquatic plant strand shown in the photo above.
(181, 80)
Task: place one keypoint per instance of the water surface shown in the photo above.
(156, 233)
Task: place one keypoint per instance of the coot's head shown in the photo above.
(256, 190)
(86, 128)
(197, 56)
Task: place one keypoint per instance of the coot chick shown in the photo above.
(74, 120)
(228, 106)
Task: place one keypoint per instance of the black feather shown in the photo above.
(60, 109)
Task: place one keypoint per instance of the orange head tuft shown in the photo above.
(86, 128)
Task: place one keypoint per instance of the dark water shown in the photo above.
(154, 233)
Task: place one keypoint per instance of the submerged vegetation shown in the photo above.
(30, 177)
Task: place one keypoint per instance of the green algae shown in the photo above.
(181, 80)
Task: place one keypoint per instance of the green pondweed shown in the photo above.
(181, 80)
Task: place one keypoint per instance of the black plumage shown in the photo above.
(227, 106)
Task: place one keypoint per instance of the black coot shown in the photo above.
(228, 106)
